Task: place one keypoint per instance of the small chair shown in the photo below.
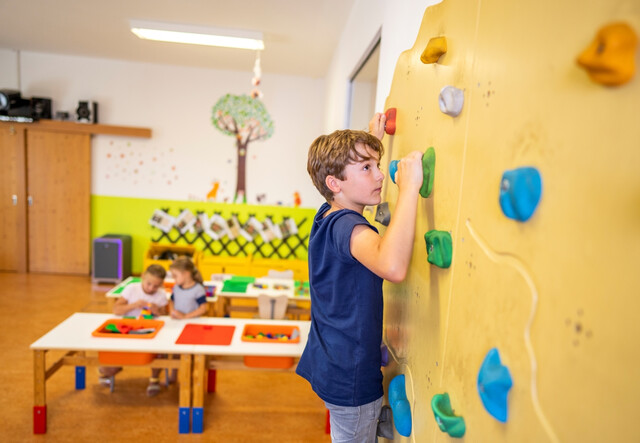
(272, 307)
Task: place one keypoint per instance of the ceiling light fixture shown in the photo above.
(197, 35)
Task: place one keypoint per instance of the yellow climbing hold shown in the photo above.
(435, 48)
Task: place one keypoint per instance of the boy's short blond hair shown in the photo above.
(156, 271)
(330, 154)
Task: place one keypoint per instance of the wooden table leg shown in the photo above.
(40, 392)
(184, 410)
(197, 424)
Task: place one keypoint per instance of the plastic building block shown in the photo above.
(494, 383)
(439, 248)
(184, 416)
(80, 377)
(211, 380)
(400, 405)
(520, 192)
(436, 47)
(428, 171)
(451, 100)
(447, 421)
(197, 422)
(610, 58)
(383, 216)
(390, 123)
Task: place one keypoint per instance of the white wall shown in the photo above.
(185, 155)
(9, 69)
(400, 22)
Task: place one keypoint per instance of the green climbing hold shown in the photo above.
(447, 421)
(428, 171)
(439, 248)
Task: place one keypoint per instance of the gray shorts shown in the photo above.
(354, 424)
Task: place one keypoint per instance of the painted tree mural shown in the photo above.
(246, 119)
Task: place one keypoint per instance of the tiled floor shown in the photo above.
(247, 407)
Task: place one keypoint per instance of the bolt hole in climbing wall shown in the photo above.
(518, 319)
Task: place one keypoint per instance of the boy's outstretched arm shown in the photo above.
(389, 256)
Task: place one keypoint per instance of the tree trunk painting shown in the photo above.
(246, 119)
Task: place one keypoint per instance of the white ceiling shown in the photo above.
(300, 35)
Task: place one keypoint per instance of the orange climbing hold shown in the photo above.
(610, 58)
(390, 124)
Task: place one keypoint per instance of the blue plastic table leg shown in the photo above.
(183, 420)
(80, 377)
(197, 424)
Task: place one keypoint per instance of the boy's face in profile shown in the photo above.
(362, 185)
(150, 283)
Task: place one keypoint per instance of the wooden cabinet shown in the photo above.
(45, 195)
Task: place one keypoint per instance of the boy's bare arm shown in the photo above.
(389, 256)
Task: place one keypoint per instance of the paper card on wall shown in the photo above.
(270, 231)
(251, 228)
(185, 221)
(233, 228)
(162, 221)
(216, 228)
(201, 223)
(288, 228)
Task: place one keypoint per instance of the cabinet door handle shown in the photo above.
(14, 199)
(30, 201)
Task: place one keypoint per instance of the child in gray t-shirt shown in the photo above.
(188, 299)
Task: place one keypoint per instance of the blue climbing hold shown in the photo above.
(393, 168)
(520, 191)
(494, 383)
(400, 406)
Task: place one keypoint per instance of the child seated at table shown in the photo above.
(189, 298)
(148, 294)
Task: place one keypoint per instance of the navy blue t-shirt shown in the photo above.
(342, 357)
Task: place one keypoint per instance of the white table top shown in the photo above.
(270, 283)
(74, 334)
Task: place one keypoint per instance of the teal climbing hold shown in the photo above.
(439, 248)
(428, 171)
(494, 383)
(447, 421)
(400, 405)
(520, 192)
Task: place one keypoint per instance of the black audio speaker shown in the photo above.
(111, 258)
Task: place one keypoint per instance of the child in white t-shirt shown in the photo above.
(150, 294)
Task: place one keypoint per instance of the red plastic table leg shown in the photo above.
(211, 380)
(40, 419)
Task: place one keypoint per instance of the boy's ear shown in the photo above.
(332, 183)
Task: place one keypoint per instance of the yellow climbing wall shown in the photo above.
(558, 295)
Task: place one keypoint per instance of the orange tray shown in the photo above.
(254, 330)
(108, 358)
(133, 322)
(257, 361)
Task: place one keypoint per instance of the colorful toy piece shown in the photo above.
(494, 383)
(520, 192)
(610, 58)
(439, 248)
(390, 122)
(436, 47)
(146, 313)
(400, 405)
(428, 171)
(447, 421)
